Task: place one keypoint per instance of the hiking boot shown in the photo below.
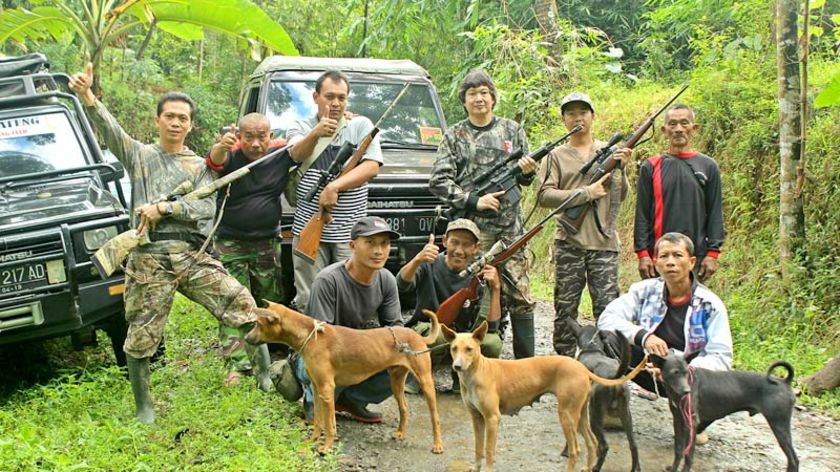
(702, 438)
(284, 380)
(359, 412)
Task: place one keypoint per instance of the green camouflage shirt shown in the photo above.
(465, 153)
(154, 172)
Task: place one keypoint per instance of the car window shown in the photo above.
(413, 122)
(38, 143)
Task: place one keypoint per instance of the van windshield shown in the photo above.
(38, 143)
(414, 121)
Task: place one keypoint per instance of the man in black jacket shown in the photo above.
(679, 191)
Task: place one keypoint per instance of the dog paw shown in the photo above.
(437, 449)
(398, 435)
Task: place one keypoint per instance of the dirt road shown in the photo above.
(533, 440)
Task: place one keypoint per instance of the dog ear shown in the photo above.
(479, 332)
(448, 334)
(690, 357)
(657, 361)
(572, 324)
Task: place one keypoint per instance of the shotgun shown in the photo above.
(310, 236)
(448, 310)
(113, 253)
(572, 219)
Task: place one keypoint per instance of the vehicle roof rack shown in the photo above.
(25, 76)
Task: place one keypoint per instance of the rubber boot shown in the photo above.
(523, 336)
(261, 362)
(138, 374)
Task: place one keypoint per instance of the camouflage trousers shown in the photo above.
(516, 295)
(151, 283)
(574, 268)
(256, 265)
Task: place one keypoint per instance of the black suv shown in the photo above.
(281, 87)
(59, 202)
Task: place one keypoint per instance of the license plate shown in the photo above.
(22, 277)
(411, 225)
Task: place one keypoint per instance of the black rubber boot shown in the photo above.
(139, 374)
(523, 336)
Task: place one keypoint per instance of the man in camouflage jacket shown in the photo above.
(171, 261)
(468, 149)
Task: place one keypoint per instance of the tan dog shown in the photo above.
(335, 355)
(492, 387)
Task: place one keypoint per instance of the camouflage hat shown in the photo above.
(576, 97)
(370, 225)
(465, 224)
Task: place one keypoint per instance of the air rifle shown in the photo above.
(572, 219)
(492, 181)
(113, 253)
(310, 236)
(448, 310)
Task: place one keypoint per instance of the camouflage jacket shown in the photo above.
(464, 154)
(154, 173)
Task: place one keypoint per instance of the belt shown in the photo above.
(186, 237)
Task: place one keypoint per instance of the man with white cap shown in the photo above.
(589, 257)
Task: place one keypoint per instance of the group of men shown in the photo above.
(347, 284)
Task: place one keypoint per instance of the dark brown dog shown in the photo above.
(335, 355)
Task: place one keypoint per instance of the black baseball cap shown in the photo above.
(370, 225)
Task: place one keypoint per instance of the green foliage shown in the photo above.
(84, 418)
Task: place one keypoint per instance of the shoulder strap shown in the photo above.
(322, 144)
(699, 176)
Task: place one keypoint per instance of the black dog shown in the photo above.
(717, 394)
(613, 401)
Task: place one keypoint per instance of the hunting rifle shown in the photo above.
(491, 181)
(310, 236)
(111, 255)
(572, 219)
(448, 310)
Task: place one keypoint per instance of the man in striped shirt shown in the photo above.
(345, 198)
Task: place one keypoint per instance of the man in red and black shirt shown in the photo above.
(679, 191)
(246, 238)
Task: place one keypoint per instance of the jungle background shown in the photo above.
(630, 56)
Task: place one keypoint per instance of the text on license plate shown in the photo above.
(29, 273)
(411, 226)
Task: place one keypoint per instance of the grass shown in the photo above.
(82, 418)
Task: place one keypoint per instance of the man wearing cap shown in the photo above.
(435, 277)
(357, 293)
(590, 257)
(679, 190)
(468, 149)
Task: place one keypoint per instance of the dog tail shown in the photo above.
(431, 338)
(614, 382)
(788, 368)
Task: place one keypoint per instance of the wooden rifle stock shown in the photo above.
(310, 236)
(448, 310)
(572, 220)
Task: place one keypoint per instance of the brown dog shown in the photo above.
(335, 355)
(492, 387)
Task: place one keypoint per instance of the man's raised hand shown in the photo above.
(326, 126)
(81, 82)
(229, 139)
(430, 251)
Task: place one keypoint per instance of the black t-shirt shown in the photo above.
(672, 328)
(434, 283)
(253, 208)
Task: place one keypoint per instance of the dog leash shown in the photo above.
(318, 328)
(687, 412)
(406, 349)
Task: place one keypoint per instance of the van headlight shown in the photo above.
(96, 238)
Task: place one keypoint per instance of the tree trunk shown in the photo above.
(825, 379)
(546, 13)
(791, 215)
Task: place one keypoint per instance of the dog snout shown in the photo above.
(457, 364)
(253, 336)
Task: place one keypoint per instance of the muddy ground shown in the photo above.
(533, 440)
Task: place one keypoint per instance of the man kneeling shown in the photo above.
(435, 278)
